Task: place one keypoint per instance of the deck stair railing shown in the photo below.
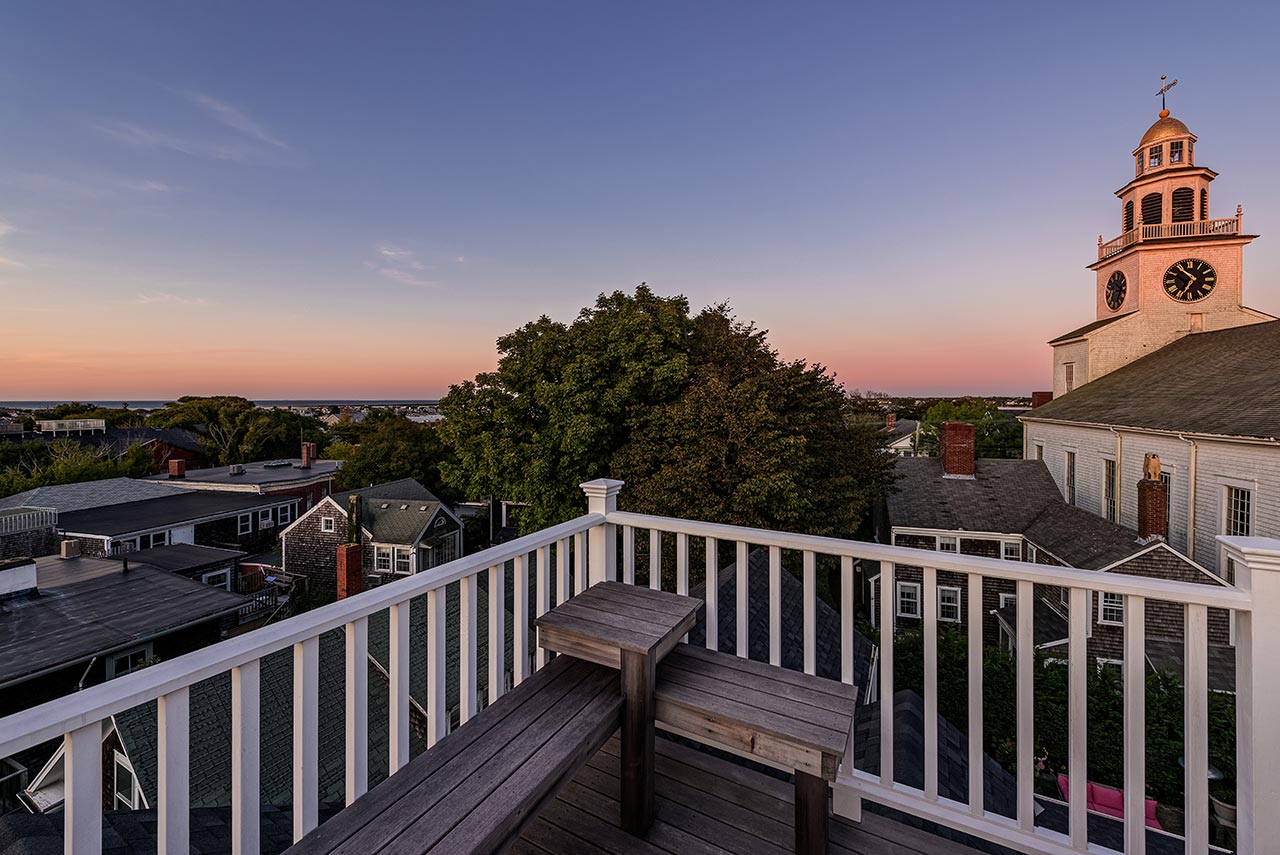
(548, 566)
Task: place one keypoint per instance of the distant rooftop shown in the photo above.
(89, 606)
(161, 512)
(65, 498)
(263, 473)
(180, 557)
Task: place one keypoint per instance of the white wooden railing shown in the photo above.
(1190, 228)
(603, 545)
(68, 426)
(28, 519)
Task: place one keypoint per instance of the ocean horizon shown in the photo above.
(154, 405)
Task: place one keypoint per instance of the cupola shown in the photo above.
(1167, 143)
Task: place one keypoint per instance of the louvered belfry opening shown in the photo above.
(1184, 205)
(1128, 215)
(1204, 204)
(1152, 209)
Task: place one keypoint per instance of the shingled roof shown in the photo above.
(1223, 383)
(395, 512)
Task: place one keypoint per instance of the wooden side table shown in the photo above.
(631, 629)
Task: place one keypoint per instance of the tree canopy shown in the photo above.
(995, 433)
(25, 466)
(235, 430)
(391, 447)
(696, 413)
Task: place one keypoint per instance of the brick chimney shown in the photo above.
(1153, 501)
(177, 469)
(308, 454)
(1039, 399)
(956, 448)
(891, 422)
(350, 571)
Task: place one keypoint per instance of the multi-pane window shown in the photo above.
(125, 784)
(1008, 600)
(1175, 152)
(948, 604)
(382, 559)
(948, 544)
(1039, 451)
(1154, 156)
(908, 599)
(1239, 504)
(1071, 478)
(1109, 490)
(1110, 608)
(159, 538)
(403, 564)
(131, 660)
(264, 518)
(1011, 551)
(326, 525)
(285, 514)
(1069, 375)
(244, 524)
(1031, 553)
(1166, 478)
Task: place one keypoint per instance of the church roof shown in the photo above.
(1088, 328)
(1222, 383)
(1164, 128)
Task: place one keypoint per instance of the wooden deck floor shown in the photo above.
(706, 806)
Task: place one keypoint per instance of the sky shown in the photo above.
(355, 200)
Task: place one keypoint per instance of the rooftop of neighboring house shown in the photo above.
(1007, 497)
(85, 607)
(263, 473)
(66, 498)
(183, 557)
(1220, 383)
(902, 428)
(395, 512)
(182, 508)
(123, 437)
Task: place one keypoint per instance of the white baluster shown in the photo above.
(357, 721)
(543, 571)
(628, 554)
(975, 666)
(742, 585)
(1135, 725)
(246, 706)
(655, 559)
(1026, 653)
(846, 621)
(929, 594)
(173, 732)
(468, 630)
(809, 576)
(398, 693)
(775, 606)
(580, 582)
(82, 790)
(437, 711)
(1195, 727)
(520, 630)
(712, 587)
(498, 631)
(1078, 716)
(306, 738)
(888, 600)
(682, 564)
(562, 571)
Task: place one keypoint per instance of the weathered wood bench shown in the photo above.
(785, 719)
(475, 790)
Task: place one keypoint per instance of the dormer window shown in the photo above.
(1154, 155)
(1175, 152)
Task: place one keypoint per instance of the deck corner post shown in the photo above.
(602, 540)
(638, 679)
(811, 814)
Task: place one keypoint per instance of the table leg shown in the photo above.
(811, 814)
(637, 742)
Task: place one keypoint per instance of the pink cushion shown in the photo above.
(1064, 787)
(1152, 822)
(1107, 799)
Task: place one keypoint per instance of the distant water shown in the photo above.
(152, 405)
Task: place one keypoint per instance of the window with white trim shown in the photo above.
(125, 784)
(1032, 553)
(284, 514)
(157, 538)
(382, 559)
(1238, 507)
(1011, 551)
(122, 663)
(909, 599)
(1008, 600)
(264, 518)
(947, 543)
(1109, 502)
(218, 579)
(1111, 608)
(404, 565)
(1039, 451)
(1071, 478)
(948, 604)
(326, 525)
(1069, 375)
(244, 524)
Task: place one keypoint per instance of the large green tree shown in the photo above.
(392, 447)
(24, 466)
(235, 430)
(995, 433)
(696, 413)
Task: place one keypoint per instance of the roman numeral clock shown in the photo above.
(1190, 280)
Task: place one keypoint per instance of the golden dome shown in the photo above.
(1166, 126)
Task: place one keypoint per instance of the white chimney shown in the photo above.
(17, 576)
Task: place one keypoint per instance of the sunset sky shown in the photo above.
(293, 200)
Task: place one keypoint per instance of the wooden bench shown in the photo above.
(785, 719)
(475, 790)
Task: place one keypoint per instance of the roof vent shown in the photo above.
(235, 469)
(276, 464)
(70, 548)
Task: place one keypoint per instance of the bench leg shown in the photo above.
(811, 814)
(637, 742)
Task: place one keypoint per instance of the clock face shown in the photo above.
(1117, 286)
(1190, 279)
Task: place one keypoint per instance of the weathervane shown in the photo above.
(1165, 87)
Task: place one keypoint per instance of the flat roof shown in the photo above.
(178, 557)
(164, 512)
(261, 473)
(88, 607)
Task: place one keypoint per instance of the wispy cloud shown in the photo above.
(235, 119)
(8, 229)
(400, 265)
(136, 136)
(164, 298)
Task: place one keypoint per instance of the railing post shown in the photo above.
(602, 540)
(1257, 570)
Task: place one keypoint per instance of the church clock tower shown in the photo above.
(1172, 271)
